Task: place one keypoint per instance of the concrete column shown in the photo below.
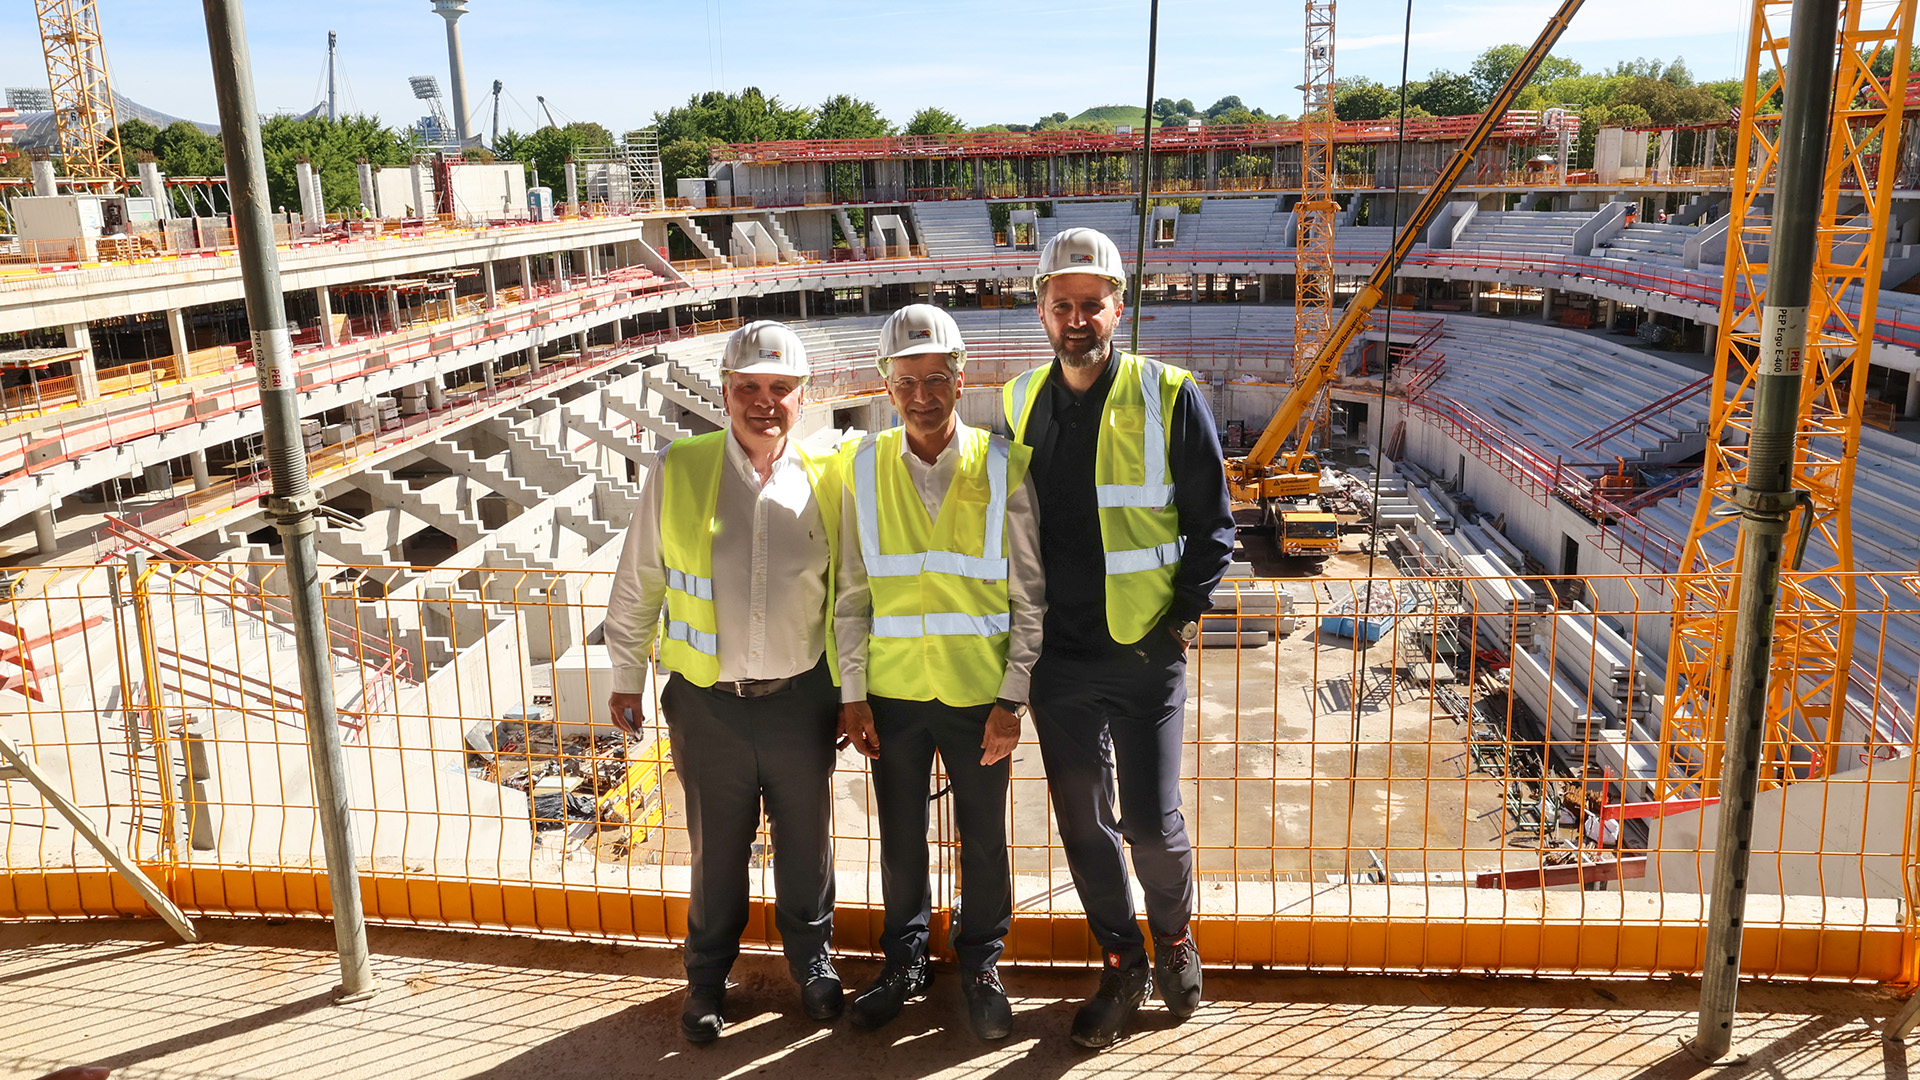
(580, 342)
(1912, 408)
(44, 536)
(1606, 314)
(866, 302)
(154, 186)
(436, 392)
(803, 302)
(323, 299)
(526, 277)
(369, 198)
(587, 266)
(177, 334)
(1709, 337)
(1546, 305)
(573, 189)
(393, 311)
(673, 318)
(44, 181)
(303, 182)
(736, 307)
(197, 459)
(422, 206)
(1475, 287)
(533, 361)
(493, 286)
(486, 375)
(86, 378)
(1263, 286)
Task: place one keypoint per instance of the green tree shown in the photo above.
(136, 137)
(184, 150)
(1238, 114)
(716, 117)
(1231, 101)
(843, 116)
(1668, 104)
(1444, 94)
(1490, 70)
(1361, 98)
(934, 121)
(546, 151)
(335, 149)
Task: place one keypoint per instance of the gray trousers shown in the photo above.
(735, 755)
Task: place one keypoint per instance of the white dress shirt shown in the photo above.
(1026, 581)
(769, 575)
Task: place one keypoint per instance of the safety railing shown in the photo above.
(1432, 774)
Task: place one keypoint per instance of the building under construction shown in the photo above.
(1483, 736)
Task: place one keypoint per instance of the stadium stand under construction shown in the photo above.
(1459, 744)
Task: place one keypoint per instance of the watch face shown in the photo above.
(1189, 631)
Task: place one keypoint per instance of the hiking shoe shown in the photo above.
(820, 991)
(882, 1001)
(987, 1009)
(700, 1019)
(1176, 975)
(1123, 989)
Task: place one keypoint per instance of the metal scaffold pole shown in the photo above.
(293, 502)
(1767, 500)
(1146, 181)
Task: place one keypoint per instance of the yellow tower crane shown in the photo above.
(83, 115)
(1812, 662)
(1314, 213)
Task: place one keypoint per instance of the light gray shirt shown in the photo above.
(769, 575)
(1026, 581)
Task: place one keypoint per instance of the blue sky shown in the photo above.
(991, 61)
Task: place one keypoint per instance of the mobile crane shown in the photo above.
(1285, 482)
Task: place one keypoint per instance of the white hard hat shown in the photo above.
(1081, 251)
(917, 329)
(766, 348)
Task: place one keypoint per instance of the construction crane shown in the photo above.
(1807, 705)
(1302, 532)
(1267, 476)
(88, 134)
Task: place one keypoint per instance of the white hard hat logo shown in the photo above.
(916, 334)
(1083, 258)
(769, 354)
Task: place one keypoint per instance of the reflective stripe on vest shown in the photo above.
(1139, 527)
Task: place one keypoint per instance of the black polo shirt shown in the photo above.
(1063, 432)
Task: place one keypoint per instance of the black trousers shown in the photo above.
(1116, 721)
(910, 733)
(734, 755)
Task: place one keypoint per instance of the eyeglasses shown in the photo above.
(907, 384)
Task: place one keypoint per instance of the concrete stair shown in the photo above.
(438, 503)
(659, 382)
(492, 472)
(701, 241)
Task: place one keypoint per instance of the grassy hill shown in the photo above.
(1113, 114)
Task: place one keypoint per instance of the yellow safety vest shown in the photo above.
(1139, 525)
(690, 640)
(941, 613)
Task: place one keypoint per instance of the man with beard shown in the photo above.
(1135, 533)
(735, 536)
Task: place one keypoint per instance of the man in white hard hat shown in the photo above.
(735, 537)
(938, 621)
(1136, 533)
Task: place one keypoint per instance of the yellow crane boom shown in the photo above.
(1255, 476)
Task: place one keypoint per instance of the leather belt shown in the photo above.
(753, 688)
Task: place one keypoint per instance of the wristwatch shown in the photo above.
(1015, 707)
(1188, 631)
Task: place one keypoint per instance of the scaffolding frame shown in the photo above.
(1808, 691)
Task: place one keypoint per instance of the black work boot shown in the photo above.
(988, 1012)
(1124, 987)
(881, 1002)
(1176, 974)
(820, 991)
(700, 1019)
